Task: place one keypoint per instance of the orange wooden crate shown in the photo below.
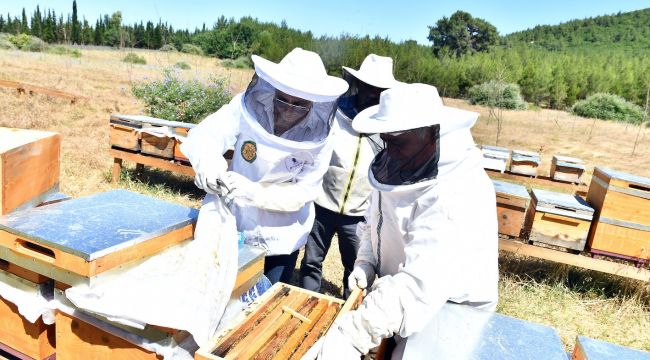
(29, 166)
(622, 222)
(161, 146)
(512, 202)
(124, 137)
(282, 324)
(35, 340)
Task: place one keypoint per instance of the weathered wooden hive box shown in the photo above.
(622, 220)
(284, 323)
(149, 135)
(29, 167)
(592, 349)
(18, 336)
(495, 158)
(559, 219)
(524, 162)
(75, 240)
(568, 169)
(512, 203)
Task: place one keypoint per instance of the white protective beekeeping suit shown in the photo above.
(278, 177)
(430, 241)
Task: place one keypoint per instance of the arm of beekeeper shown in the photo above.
(208, 141)
(405, 302)
(363, 274)
(287, 196)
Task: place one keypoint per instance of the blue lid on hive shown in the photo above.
(100, 224)
(517, 190)
(601, 350)
(521, 155)
(624, 176)
(561, 202)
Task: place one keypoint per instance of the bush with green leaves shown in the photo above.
(7, 45)
(608, 107)
(168, 48)
(133, 58)
(242, 62)
(191, 49)
(182, 65)
(497, 94)
(176, 99)
(26, 42)
(62, 50)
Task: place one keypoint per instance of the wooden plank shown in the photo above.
(585, 262)
(62, 260)
(76, 339)
(22, 272)
(24, 88)
(305, 328)
(183, 169)
(320, 328)
(34, 340)
(247, 278)
(29, 166)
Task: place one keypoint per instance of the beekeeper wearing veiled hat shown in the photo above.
(278, 129)
(431, 230)
(343, 199)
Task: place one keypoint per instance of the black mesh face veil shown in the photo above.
(359, 96)
(408, 157)
(288, 116)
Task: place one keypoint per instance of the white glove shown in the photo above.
(239, 186)
(208, 171)
(337, 346)
(361, 277)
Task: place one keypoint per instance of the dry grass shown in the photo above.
(573, 301)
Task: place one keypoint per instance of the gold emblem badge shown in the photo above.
(249, 151)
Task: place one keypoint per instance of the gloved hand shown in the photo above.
(208, 171)
(240, 186)
(337, 346)
(362, 276)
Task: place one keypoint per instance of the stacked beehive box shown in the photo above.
(559, 219)
(568, 169)
(622, 221)
(29, 167)
(512, 203)
(148, 135)
(524, 162)
(495, 158)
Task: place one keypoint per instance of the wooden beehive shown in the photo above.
(124, 133)
(282, 324)
(157, 145)
(524, 162)
(568, 169)
(592, 349)
(512, 202)
(622, 219)
(19, 336)
(29, 167)
(178, 154)
(495, 158)
(74, 240)
(559, 219)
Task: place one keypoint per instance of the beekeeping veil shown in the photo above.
(294, 98)
(423, 138)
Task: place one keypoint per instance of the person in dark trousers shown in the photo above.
(343, 200)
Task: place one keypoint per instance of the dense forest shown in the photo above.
(554, 65)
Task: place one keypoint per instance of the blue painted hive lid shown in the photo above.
(517, 190)
(602, 350)
(550, 201)
(100, 224)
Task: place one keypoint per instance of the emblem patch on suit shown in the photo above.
(249, 151)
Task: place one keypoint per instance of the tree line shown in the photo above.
(552, 78)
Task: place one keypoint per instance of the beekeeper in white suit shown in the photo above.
(431, 230)
(278, 129)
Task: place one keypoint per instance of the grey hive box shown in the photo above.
(524, 162)
(495, 157)
(559, 219)
(74, 240)
(568, 169)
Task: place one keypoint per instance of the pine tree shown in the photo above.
(76, 31)
(24, 27)
(2, 23)
(37, 23)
